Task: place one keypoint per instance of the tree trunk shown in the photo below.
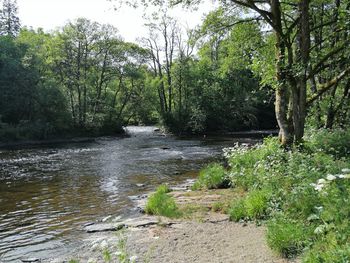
(281, 104)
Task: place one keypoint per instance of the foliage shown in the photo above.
(31, 106)
(52, 87)
(213, 176)
(254, 206)
(160, 203)
(334, 142)
(302, 191)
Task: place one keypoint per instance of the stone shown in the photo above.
(141, 222)
(96, 228)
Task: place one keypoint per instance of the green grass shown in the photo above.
(237, 211)
(214, 176)
(253, 206)
(162, 204)
(287, 237)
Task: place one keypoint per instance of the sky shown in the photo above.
(51, 14)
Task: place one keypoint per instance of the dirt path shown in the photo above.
(186, 241)
(203, 242)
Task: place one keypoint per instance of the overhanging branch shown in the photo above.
(322, 88)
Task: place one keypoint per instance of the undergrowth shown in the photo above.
(302, 193)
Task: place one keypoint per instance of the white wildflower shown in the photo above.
(345, 170)
(320, 229)
(319, 187)
(331, 177)
(321, 181)
(319, 208)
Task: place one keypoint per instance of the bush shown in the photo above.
(287, 237)
(160, 203)
(212, 177)
(249, 165)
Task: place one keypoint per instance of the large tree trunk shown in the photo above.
(303, 56)
(282, 94)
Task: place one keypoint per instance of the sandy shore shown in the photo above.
(206, 236)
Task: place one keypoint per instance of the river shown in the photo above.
(48, 193)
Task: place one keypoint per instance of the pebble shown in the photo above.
(133, 258)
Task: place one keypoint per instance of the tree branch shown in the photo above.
(322, 88)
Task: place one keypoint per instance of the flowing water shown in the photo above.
(48, 193)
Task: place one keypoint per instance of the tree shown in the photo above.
(161, 44)
(9, 21)
(296, 66)
(99, 72)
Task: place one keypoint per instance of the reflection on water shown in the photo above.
(47, 194)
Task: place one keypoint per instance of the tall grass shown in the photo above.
(160, 203)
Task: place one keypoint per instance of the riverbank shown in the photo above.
(203, 234)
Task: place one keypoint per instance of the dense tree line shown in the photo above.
(251, 64)
(305, 59)
(82, 79)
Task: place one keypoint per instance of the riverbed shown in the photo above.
(47, 193)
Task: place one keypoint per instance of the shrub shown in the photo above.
(287, 237)
(160, 203)
(249, 165)
(213, 176)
